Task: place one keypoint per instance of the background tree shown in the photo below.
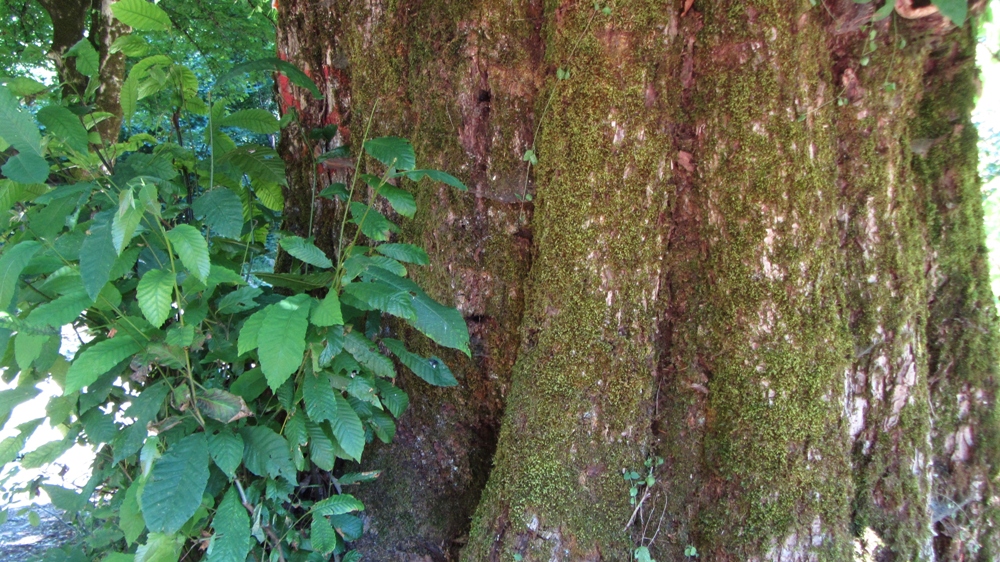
(751, 246)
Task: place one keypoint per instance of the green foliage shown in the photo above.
(207, 385)
(141, 15)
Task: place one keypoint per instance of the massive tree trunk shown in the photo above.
(751, 247)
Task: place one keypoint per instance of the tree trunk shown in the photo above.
(753, 249)
(69, 20)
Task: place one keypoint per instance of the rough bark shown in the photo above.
(748, 253)
(104, 29)
(69, 21)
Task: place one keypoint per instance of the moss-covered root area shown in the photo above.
(579, 408)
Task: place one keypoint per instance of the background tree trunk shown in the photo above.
(69, 21)
(749, 253)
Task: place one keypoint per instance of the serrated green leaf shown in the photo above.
(348, 430)
(350, 527)
(337, 505)
(305, 251)
(954, 10)
(88, 61)
(254, 120)
(26, 167)
(250, 384)
(226, 449)
(320, 447)
(334, 191)
(65, 498)
(98, 359)
(394, 398)
(326, 312)
(382, 425)
(240, 300)
(269, 195)
(10, 448)
(12, 262)
(99, 427)
(9, 399)
(432, 370)
(249, 331)
(129, 515)
(155, 295)
(368, 354)
(379, 296)
(294, 75)
(175, 484)
(402, 201)
(351, 556)
(141, 15)
(437, 175)
(319, 397)
(190, 246)
(356, 477)
(334, 345)
(160, 547)
(60, 311)
(322, 536)
(129, 96)
(231, 523)
(129, 45)
(281, 339)
(22, 86)
(265, 453)
(180, 336)
(126, 220)
(393, 152)
(362, 387)
(46, 453)
(97, 255)
(222, 210)
(17, 127)
(27, 348)
(223, 275)
(372, 223)
(65, 125)
(404, 252)
(260, 163)
(444, 325)
(297, 282)
(388, 264)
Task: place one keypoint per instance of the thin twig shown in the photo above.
(645, 496)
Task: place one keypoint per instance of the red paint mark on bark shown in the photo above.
(285, 90)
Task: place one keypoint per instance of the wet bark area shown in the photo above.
(754, 250)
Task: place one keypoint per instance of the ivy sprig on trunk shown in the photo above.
(205, 387)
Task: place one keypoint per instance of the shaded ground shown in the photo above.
(20, 542)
